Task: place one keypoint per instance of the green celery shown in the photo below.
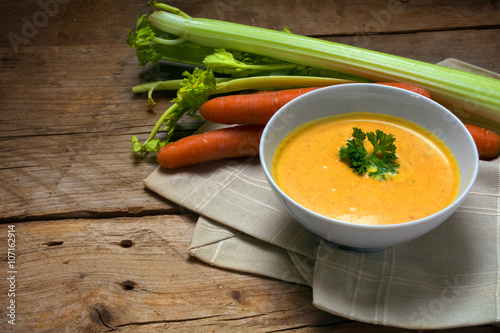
(153, 45)
(472, 97)
(174, 84)
(228, 85)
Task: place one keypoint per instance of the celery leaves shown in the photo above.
(195, 89)
(380, 163)
(222, 61)
(142, 41)
(153, 45)
(242, 64)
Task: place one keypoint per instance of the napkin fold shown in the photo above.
(447, 278)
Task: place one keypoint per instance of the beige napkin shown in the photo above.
(447, 278)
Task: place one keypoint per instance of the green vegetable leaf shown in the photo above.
(149, 146)
(195, 89)
(243, 64)
(142, 41)
(222, 61)
(380, 163)
(153, 45)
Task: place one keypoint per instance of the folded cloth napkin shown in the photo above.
(447, 278)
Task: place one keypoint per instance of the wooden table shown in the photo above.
(94, 250)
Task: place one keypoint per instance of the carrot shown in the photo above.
(259, 107)
(256, 108)
(231, 142)
(487, 141)
(407, 86)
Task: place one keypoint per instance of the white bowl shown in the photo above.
(381, 99)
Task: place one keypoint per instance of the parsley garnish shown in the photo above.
(381, 163)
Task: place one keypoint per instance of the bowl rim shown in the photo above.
(445, 211)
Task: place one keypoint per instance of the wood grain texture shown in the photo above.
(131, 273)
(134, 275)
(96, 251)
(104, 22)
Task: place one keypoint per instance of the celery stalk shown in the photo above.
(174, 84)
(228, 85)
(472, 97)
(276, 83)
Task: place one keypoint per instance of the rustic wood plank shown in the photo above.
(64, 179)
(332, 17)
(105, 22)
(134, 275)
(66, 129)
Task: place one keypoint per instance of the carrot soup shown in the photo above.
(307, 167)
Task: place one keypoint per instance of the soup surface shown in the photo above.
(308, 169)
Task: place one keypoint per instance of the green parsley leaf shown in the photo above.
(379, 164)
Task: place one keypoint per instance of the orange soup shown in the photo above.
(307, 168)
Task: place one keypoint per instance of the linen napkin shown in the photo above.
(447, 278)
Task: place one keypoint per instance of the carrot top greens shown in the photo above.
(379, 164)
